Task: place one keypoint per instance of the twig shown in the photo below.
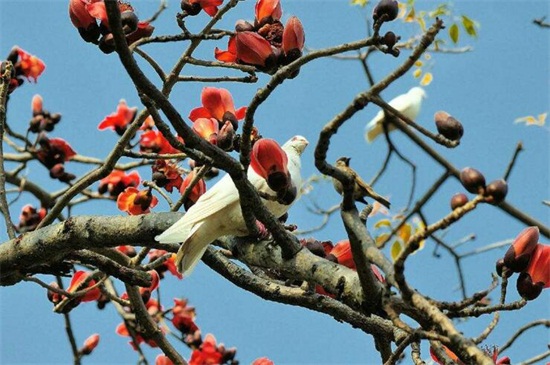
(244, 79)
(4, 85)
(69, 330)
(519, 148)
(163, 6)
(521, 330)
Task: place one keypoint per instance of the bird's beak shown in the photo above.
(347, 160)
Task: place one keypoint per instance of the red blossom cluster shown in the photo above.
(492, 352)
(53, 153)
(167, 265)
(217, 119)
(117, 181)
(210, 353)
(339, 253)
(119, 120)
(531, 260)
(266, 44)
(90, 18)
(80, 282)
(24, 65)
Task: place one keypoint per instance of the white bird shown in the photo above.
(408, 104)
(218, 212)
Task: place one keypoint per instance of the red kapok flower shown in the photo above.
(117, 181)
(342, 252)
(154, 141)
(90, 344)
(207, 128)
(168, 265)
(121, 330)
(537, 275)
(184, 316)
(163, 360)
(80, 17)
(207, 354)
(119, 120)
(135, 202)
(148, 124)
(270, 162)
(268, 8)
(144, 30)
(53, 151)
(519, 254)
(210, 7)
(252, 48)
(229, 56)
(97, 10)
(167, 175)
(77, 283)
(263, 361)
(215, 103)
(28, 65)
(198, 189)
(128, 250)
(451, 355)
(293, 36)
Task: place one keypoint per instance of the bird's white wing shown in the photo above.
(405, 103)
(222, 194)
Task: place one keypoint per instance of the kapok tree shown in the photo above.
(359, 280)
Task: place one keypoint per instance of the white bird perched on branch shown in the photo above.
(408, 104)
(273, 171)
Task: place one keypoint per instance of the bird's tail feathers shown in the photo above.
(372, 131)
(190, 252)
(178, 232)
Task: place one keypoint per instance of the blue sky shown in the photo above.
(503, 78)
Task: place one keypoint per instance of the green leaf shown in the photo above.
(361, 3)
(441, 10)
(469, 26)
(453, 33)
(395, 250)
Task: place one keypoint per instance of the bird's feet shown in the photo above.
(263, 233)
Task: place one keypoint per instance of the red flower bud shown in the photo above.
(293, 35)
(36, 105)
(90, 344)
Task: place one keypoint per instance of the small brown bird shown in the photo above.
(362, 189)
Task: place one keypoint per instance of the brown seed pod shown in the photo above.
(496, 191)
(472, 180)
